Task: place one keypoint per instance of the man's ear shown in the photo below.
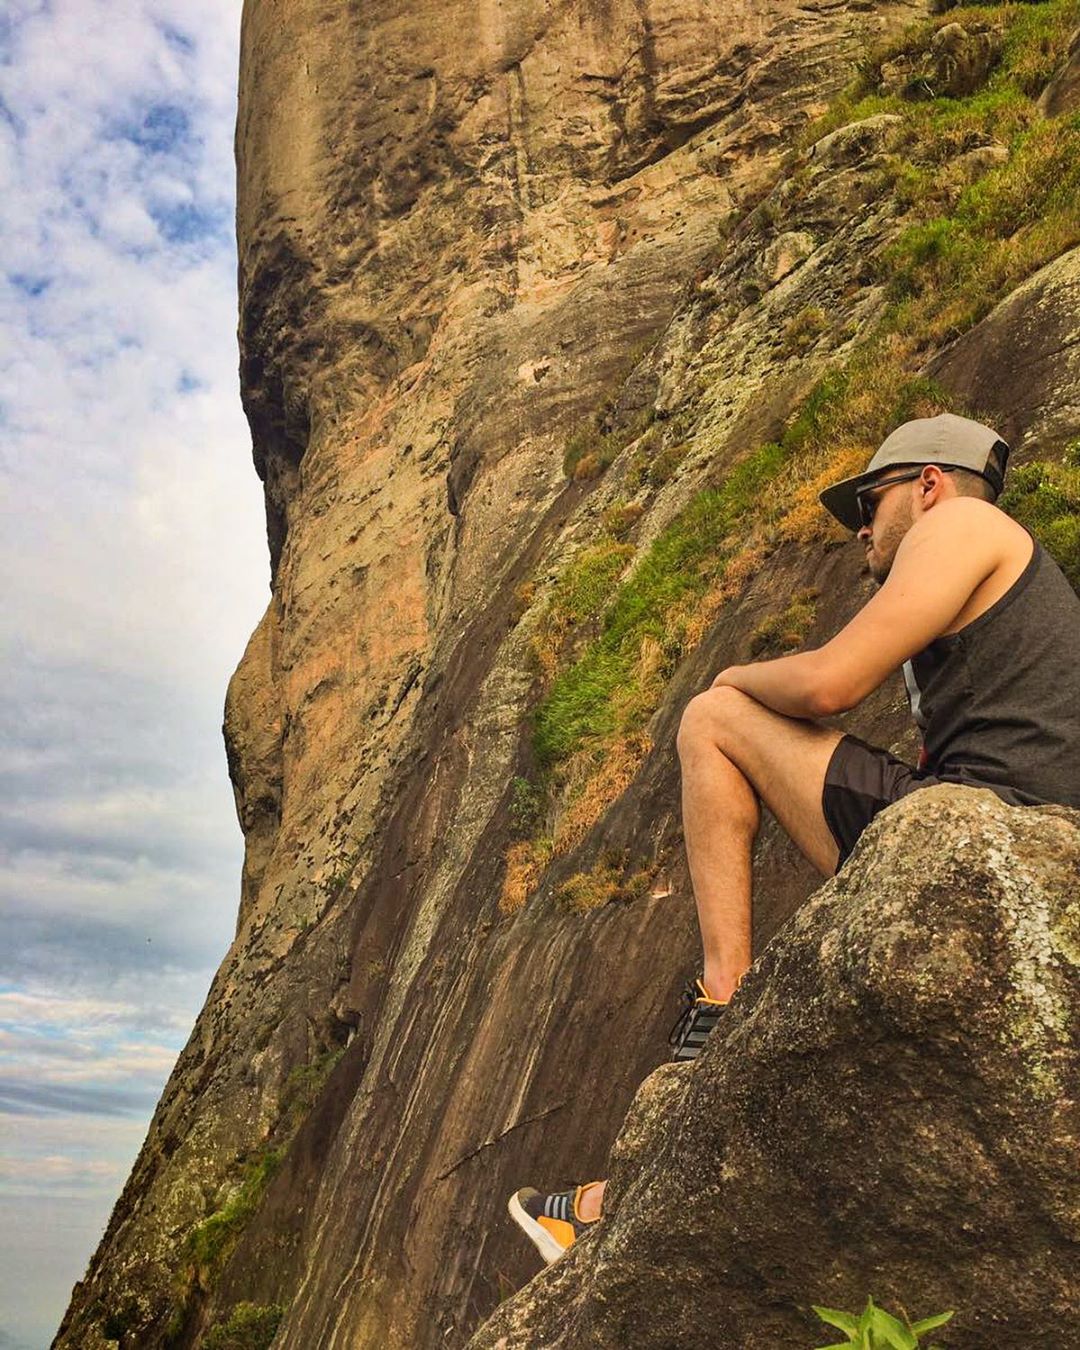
(930, 478)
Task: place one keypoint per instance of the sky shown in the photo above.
(133, 566)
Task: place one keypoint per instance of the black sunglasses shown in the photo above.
(866, 504)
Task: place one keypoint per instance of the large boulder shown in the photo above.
(956, 62)
(890, 1108)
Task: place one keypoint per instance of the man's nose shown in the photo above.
(863, 536)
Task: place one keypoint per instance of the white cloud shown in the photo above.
(59, 1170)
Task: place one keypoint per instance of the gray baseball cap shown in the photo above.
(948, 440)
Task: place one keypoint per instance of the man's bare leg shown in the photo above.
(733, 752)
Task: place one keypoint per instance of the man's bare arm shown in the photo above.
(791, 685)
(943, 558)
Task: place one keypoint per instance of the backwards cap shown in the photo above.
(948, 440)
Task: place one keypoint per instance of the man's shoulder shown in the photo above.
(970, 520)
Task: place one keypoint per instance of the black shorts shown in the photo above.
(862, 780)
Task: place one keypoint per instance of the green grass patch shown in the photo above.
(969, 245)
(210, 1243)
(1046, 498)
(1036, 40)
(248, 1327)
(684, 560)
(947, 273)
(581, 593)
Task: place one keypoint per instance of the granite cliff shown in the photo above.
(553, 317)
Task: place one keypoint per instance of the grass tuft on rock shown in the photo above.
(210, 1243)
(248, 1327)
(602, 885)
(787, 630)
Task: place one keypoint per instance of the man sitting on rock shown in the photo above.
(987, 631)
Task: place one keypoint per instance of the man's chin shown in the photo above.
(877, 569)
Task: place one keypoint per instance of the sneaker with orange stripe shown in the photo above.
(552, 1222)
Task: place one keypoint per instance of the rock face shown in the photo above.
(892, 1103)
(470, 238)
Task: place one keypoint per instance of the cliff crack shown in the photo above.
(488, 1143)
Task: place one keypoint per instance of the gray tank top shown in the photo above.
(999, 701)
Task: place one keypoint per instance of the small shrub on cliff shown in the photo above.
(595, 444)
(303, 1085)
(621, 516)
(248, 1327)
(526, 805)
(875, 1329)
(803, 330)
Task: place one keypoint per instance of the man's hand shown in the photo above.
(790, 685)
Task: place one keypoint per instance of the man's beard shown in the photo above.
(880, 560)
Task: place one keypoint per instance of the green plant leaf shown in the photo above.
(866, 1319)
(929, 1323)
(892, 1331)
(840, 1345)
(836, 1318)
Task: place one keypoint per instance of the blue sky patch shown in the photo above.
(162, 129)
(181, 43)
(186, 223)
(30, 285)
(133, 573)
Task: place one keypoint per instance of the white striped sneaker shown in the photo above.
(699, 1015)
(552, 1222)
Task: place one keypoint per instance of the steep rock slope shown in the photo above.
(474, 240)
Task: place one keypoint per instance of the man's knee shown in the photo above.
(710, 713)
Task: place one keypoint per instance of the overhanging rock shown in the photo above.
(891, 1110)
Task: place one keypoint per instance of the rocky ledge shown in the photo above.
(891, 1109)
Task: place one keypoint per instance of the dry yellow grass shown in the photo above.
(745, 564)
(593, 781)
(525, 863)
(807, 520)
(589, 890)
